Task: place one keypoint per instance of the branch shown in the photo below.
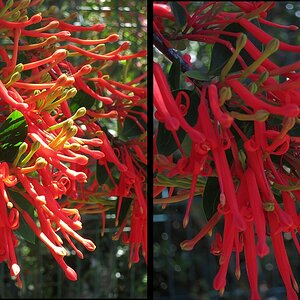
(170, 53)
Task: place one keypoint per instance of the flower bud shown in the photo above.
(19, 67)
(241, 41)
(15, 77)
(253, 88)
(272, 46)
(40, 163)
(79, 113)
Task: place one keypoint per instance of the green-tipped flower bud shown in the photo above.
(62, 79)
(272, 46)
(40, 163)
(24, 4)
(71, 131)
(73, 147)
(224, 94)
(19, 67)
(52, 39)
(288, 123)
(253, 88)
(7, 6)
(35, 146)
(242, 158)
(22, 150)
(241, 42)
(79, 113)
(46, 78)
(262, 115)
(15, 77)
(71, 93)
(53, 10)
(263, 77)
(268, 206)
(67, 125)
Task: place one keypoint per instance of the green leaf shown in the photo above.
(2, 64)
(180, 45)
(13, 132)
(295, 131)
(247, 128)
(179, 13)
(165, 141)
(187, 145)
(24, 229)
(197, 75)
(221, 54)
(81, 99)
(131, 129)
(124, 210)
(277, 195)
(174, 75)
(282, 160)
(211, 197)
(102, 174)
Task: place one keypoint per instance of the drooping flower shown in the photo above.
(53, 170)
(254, 160)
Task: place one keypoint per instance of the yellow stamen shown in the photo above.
(34, 147)
(240, 44)
(271, 47)
(21, 151)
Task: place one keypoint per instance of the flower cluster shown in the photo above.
(55, 147)
(244, 134)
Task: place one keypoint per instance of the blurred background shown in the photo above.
(103, 273)
(189, 274)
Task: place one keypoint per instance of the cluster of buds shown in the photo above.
(233, 138)
(54, 168)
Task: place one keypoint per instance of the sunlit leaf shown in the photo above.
(13, 132)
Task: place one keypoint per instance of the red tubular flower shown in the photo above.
(264, 37)
(258, 213)
(228, 238)
(80, 84)
(169, 102)
(9, 100)
(223, 171)
(57, 55)
(224, 119)
(282, 259)
(62, 25)
(62, 146)
(163, 10)
(189, 244)
(289, 110)
(162, 112)
(110, 39)
(33, 20)
(254, 162)
(110, 156)
(251, 264)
